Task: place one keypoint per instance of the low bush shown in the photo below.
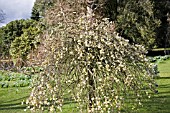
(12, 79)
(158, 59)
(21, 83)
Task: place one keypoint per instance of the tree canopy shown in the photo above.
(21, 46)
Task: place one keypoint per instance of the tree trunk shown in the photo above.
(90, 14)
(91, 89)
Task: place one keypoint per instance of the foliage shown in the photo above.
(162, 8)
(39, 8)
(89, 61)
(1, 42)
(21, 46)
(134, 19)
(158, 59)
(35, 14)
(12, 30)
(136, 22)
(12, 79)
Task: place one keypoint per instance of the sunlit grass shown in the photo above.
(160, 103)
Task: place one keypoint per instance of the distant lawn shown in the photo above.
(11, 98)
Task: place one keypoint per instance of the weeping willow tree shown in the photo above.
(87, 60)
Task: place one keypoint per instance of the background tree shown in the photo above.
(21, 46)
(35, 15)
(38, 10)
(11, 31)
(137, 23)
(134, 19)
(162, 8)
(1, 42)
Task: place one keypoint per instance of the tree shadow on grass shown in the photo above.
(163, 78)
(22, 98)
(13, 104)
(158, 105)
(166, 86)
(160, 102)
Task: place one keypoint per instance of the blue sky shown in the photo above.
(16, 9)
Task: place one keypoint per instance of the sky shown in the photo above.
(16, 9)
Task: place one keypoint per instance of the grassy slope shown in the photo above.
(11, 98)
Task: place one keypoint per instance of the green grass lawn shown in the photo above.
(160, 103)
(11, 98)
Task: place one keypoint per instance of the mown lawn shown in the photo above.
(11, 98)
(160, 103)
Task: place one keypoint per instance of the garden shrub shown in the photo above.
(12, 79)
(155, 69)
(20, 83)
(87, 60)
